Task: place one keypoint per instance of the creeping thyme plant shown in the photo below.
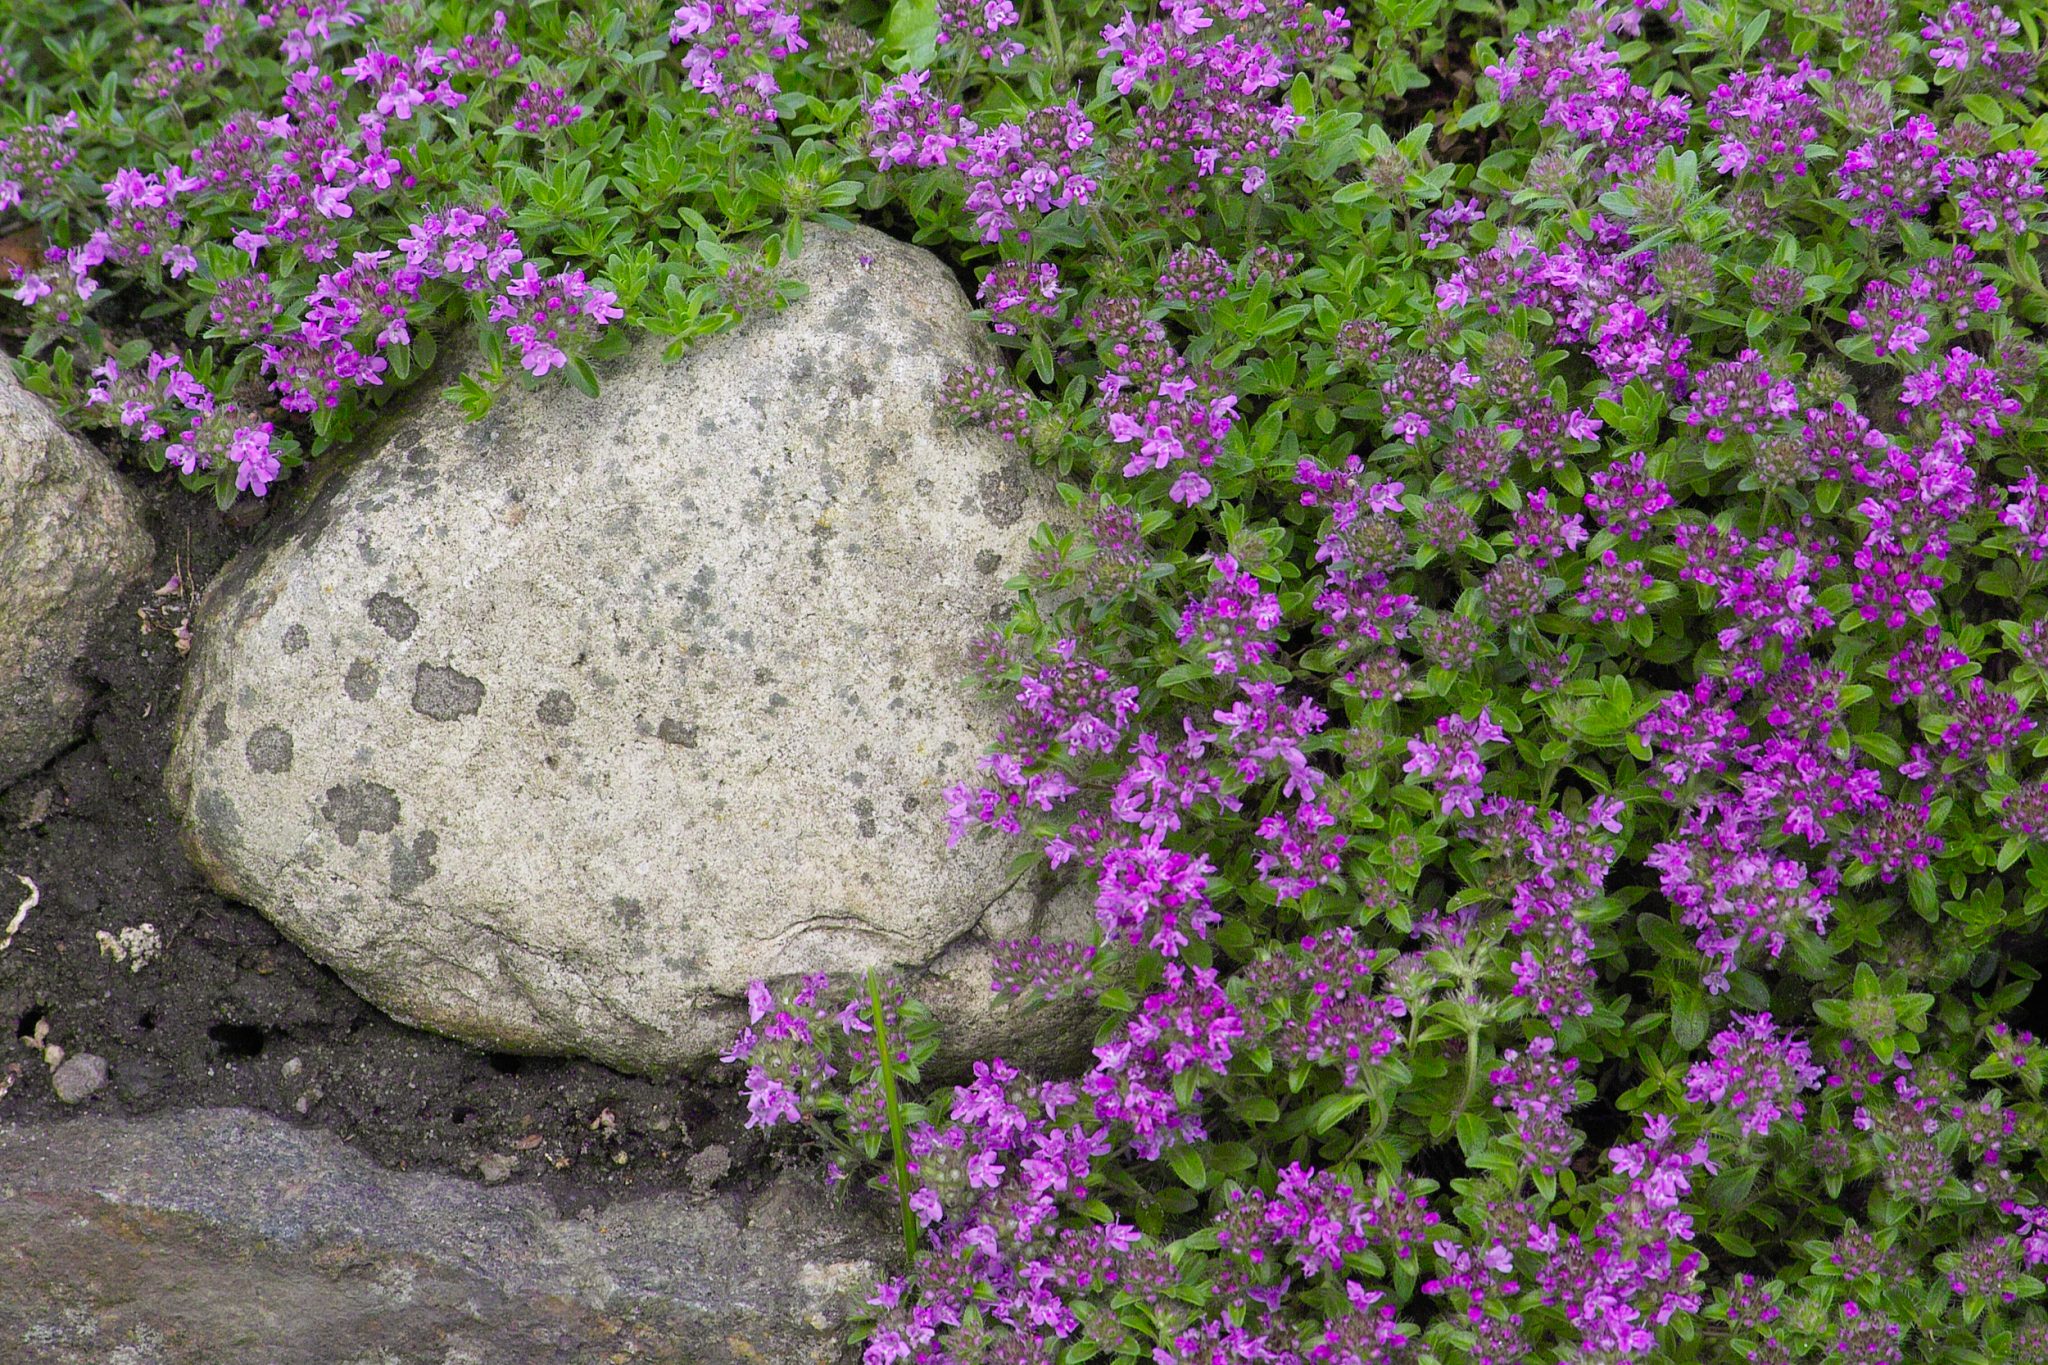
(1541, 682)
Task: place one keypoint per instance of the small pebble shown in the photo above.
(709, 1166)
(496, 1167)
(79, 1078)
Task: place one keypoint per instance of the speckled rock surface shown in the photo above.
(224, 1237)
(553, 731)
(71, 539)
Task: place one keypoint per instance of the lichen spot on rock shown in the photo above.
(394, 616)
(359, 808)
(440, 692)
(269, 750)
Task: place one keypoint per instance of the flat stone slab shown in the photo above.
(225, 1237)
(552, 731)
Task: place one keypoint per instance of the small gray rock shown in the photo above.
(78, 1078)
(497, 1167)
(71, 540)
(708, 1167)
(671, 689)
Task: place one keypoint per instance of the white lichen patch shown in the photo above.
(137, 945)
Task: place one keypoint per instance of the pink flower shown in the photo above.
(1409, 426)
(538, 357)
(925, 1204)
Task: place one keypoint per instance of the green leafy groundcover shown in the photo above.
(1540, 680)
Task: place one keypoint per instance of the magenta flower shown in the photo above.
(1754, 1076)
(769, 1101)
(734, 47)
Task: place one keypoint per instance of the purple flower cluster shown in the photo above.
(544, 108)
(1584, 92)
(735, 46)
(1742, 900)
(1633, 1271)
(299, 183)
(1016, 293)
(787, 1047)
(1539, 1089)
(1624, 500)
(1169, 413)
(161, 402)
(1235, 624)
(547, 318)
(1452, 762)
(986, 396)
(1967, 37)
(1422, 390)
(908, 125)
(1896, 175)
(1739, 395)
(1754, 1075)
(33, 161)
(2001, 192)
(304, 27)
(983, 27)
(1019, 171)
(1766, 122)
(1614, 589)
(1214, 116)
(1195, 277)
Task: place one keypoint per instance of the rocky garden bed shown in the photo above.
(1242, 682)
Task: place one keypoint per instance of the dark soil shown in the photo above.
(231, 1012)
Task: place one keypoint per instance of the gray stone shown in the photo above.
(696, 646)
(224, 1237)
(709, 1166)
(71, 539)
(77, 1079)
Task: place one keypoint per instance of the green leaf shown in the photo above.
(911, 33)
(1732, 1187)
(892, 1107)
(1471, 1135)
(1986, 110)
(1921, 891)
(1735, 1243)
(1187, 1164)
(1259, 1109)
(1663, 937)
(1186, 673)
(1228, 1158)
(582, 376)
(1688, 1015)
(1333, 1110)
(1833, 1013)
(1301, 96)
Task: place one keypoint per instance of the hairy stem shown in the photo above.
(1471, 1073)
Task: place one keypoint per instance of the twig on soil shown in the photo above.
(35, 897)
